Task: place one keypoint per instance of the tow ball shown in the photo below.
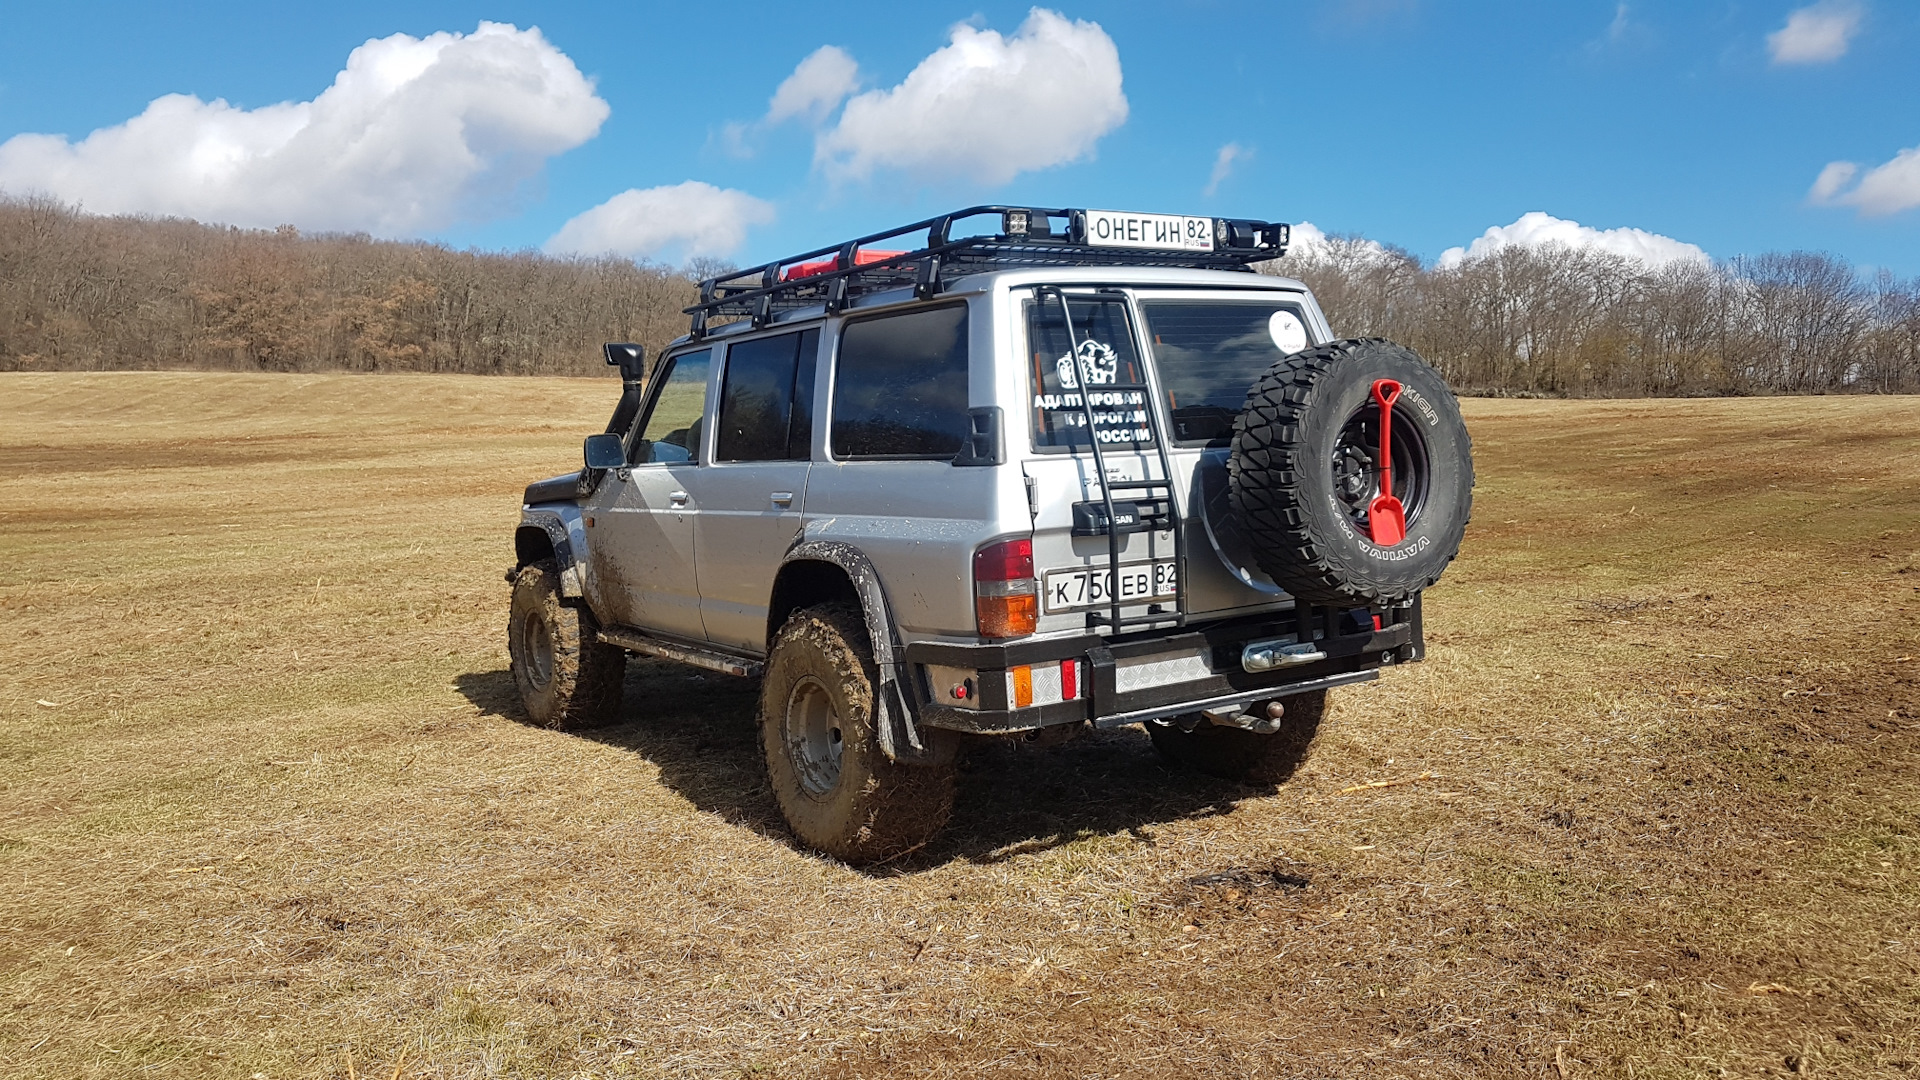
(1265, 724)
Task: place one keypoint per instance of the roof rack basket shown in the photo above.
(831, 277)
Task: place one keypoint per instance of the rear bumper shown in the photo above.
(1122, 681)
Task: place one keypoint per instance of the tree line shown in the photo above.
(1566, 321)
(89, 293)
(80, 292)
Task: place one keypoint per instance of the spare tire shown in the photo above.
(1303, 473)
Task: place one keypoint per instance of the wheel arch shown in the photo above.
(547, 534)
(825, 571)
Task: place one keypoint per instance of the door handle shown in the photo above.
(676, 498)
(783, 498)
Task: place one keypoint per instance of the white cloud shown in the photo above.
(1308, 241)
(414, 134)
(817, 87)
(1537, 229)
(682, 220)
(1223, 163)
(985, 108)
(1831, 179)
(1816, 34)
(1620, 27)
(1885, 189)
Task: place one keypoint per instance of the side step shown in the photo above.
(634, 641)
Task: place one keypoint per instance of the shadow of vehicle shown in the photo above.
(1014, 798)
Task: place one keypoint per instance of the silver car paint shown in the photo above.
(919, 522)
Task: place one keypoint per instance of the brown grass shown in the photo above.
(265, 808)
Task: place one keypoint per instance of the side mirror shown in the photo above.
(631, 359)
(605, 452)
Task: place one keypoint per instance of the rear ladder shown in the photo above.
(1162, 489)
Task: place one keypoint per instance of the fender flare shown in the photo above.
(900, 736)
(566, 533)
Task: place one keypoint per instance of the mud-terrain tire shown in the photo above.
(838, 790)
(1238, 754)
(568, 679)
(1302, 473)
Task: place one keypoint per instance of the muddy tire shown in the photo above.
(567, 678)
(1302, 474)
(1236, 754)
(837, 789)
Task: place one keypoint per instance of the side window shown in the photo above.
(1107, 356)
(900, 386)
(766, 399)
(671, 431)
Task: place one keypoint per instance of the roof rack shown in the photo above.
(1026, 236)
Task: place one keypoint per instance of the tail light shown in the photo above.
(1005, 602)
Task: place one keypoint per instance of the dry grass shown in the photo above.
(266, 808)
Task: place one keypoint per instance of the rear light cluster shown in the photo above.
(1005, 602)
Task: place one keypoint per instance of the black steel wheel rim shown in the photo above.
(1355, 469)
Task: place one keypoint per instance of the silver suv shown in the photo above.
(1082, 469)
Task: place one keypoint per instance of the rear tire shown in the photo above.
(568, 679)
(1238, 754)
(837, 789)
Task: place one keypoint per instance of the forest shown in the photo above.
(80, 292)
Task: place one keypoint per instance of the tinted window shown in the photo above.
(766, 402)
(900, 386)
(672, 429)
(1107, 356)
(1210, 352)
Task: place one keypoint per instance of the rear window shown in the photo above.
(1208, 354)
(1107, 357)
(900, 386)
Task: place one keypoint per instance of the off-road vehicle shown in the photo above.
(1081, 468)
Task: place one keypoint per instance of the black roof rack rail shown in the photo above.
(1026, 236)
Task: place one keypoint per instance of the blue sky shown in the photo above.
(1414, 122)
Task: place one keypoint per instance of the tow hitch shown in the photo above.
(1265, 724)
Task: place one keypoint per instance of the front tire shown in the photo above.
(568, 679)
(837, 789)
(1237, 754)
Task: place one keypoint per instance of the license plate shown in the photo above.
(1070, 590)
(1114, 228)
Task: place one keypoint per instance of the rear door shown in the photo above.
(1199, 353)
(1073, 563)
(751, 499)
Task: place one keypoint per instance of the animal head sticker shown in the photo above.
(1098, 362)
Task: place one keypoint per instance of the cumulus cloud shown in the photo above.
(1223, 163)
(680, 221)
(985, 108)
(1816, 34)
(1537, 229)
(815, 89)
(1884, 189)
(817, 86)
(414, 134)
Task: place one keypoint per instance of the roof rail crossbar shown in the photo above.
(832, 277)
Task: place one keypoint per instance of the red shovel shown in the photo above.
(1386, 518)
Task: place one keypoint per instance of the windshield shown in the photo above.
(1208, 354)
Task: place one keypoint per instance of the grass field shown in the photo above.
(1651, 809)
